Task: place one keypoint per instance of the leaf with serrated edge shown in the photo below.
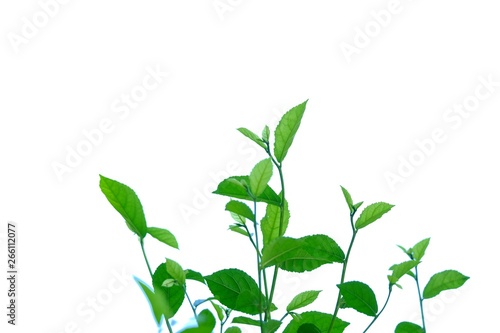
(240, 208)
(232, 187)
(126, 202)
(348, 198)
(319, 319)
(260, 176)
(303, 299)
(270, 223)
(286, 130)
(418, 249)
(360, 297)
(372, 213)
(445, 280)
(407, 327)
(176, 271)
(252, 136)
(302, 254)
(401, 269)
(164, 236)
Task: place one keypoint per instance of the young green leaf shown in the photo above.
(240, 208)
(175, 270)
(206, 323)
(286, 130)
(360, 297)
(218, 309)
(271, 326)
(356, 206)
(348, 199)
(407, 327)
(449, 279)
(302, 254)
(194, 275)
(171, 297)
(372, 213)
(232, 187)
(156, 303)
(164, 236)
(238, 229)
(265, 134)
(303, 299)
(126, 202)
(308, 328)
(401, 269)
(245, 321)
(252, 136)
(236, 290)
(418, 250)
(233, 329)
(260, 176)
(320, 320)
(270, 223)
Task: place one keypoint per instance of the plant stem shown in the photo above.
(151, 274)
(282, 219)
(420, 299)
(145, 257)
(190, 303)
(259, 271)
(383, 308)
(344, 269)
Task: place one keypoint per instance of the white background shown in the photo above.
(245, 66)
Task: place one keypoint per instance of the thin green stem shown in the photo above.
(145, 257)
(259, 271)
(344, 269)
(151, 274)
(420, 299)
(282, 219)
(190, 303)
(382, 310)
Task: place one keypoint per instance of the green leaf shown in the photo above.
(356, 206)
(206, 323)
(270, 223)
(252, 136)
(260, 176)
(164, 236)
(449, 279)
(171, 297)
(308, 328)
(303, 254)
(218, 309)
(156, 303)
(241, 209)
(372, 213)
(320, 320)
(271, 326)
(194, 275)
(418, 251)
(238, 229)
(286, 130)
(348, 199)
(233, 329)
(265, 134)
(232, 187)
(407, 327)
(360, 297)
(401, 269)
(245, 321)
(236, 290)
(303, 299)
(126, 202)
(175, 270)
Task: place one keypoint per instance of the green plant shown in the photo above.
(235, 291)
